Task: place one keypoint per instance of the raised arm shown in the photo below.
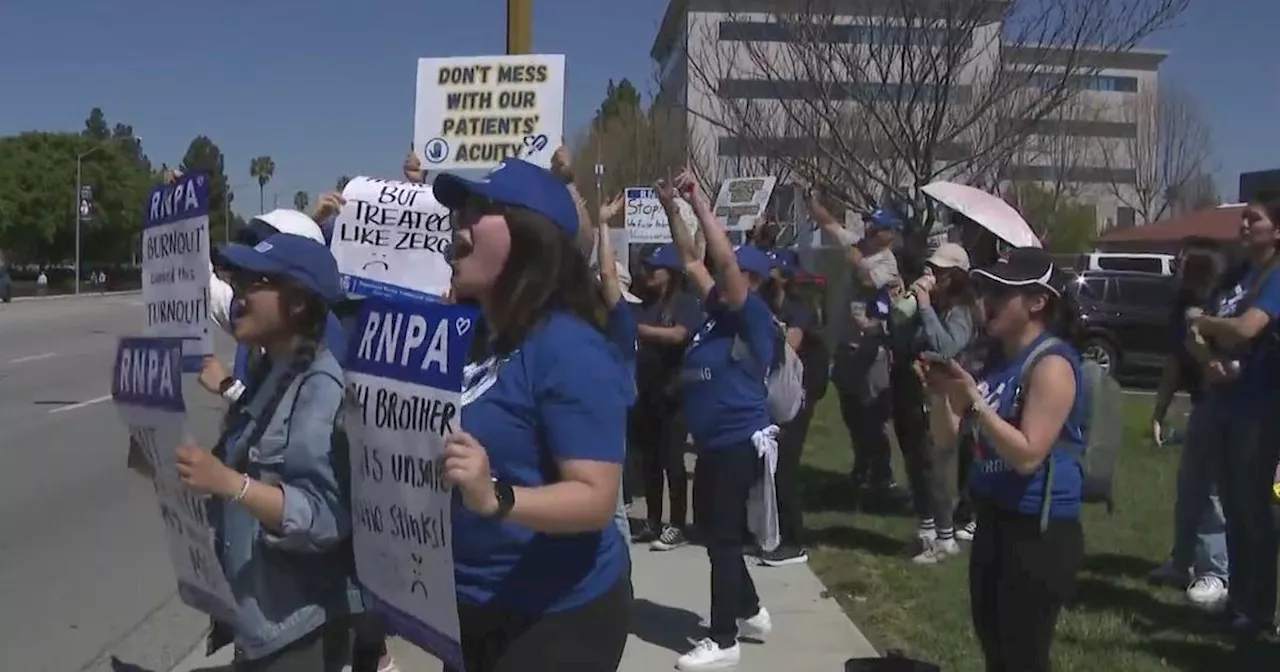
(604, 252)
(733, 281)
(682, 239)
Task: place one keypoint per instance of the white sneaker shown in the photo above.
(707, 655)
(966, 533)
(936, 550)
(1208, 592)
(926, 533)
(756, 627)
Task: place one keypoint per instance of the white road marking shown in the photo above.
(32, 358)
(90, 402)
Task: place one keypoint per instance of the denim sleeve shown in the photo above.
(950, 337)
(315, 515)
(582, 400)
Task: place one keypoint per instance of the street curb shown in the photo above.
(81, 295)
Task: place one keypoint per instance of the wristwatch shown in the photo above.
(506, 497)
(230, 388)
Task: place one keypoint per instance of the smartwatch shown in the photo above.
(506, 496)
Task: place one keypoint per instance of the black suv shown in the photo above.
(1125, 315)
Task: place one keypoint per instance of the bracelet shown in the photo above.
(244, 489)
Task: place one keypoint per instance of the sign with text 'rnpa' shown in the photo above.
(146, 385)
(473, 112)
(391, 239)
(647, 221)
(404, 389)
(175, 266)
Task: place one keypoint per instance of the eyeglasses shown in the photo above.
(245, 281)
(472, 210)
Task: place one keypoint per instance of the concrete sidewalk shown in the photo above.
(810, 633)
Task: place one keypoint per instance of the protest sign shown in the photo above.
(390, 240)
(146, 385)
(404, 388)
(175, 266)
(744, 197)
(647, 221)
(473, 112)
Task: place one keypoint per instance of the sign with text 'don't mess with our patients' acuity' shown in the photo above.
(473, 112)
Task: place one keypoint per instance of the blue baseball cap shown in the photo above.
(787, 261)
(517, 183)
(753, 260)
(882, 218)
(665, 257)
(302, 260)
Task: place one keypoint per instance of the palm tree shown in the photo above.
(262, 169)
(342, 182)
(301, 200)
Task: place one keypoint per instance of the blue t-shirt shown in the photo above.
(994, 480)
(623, 331)
(1259, 359)
(562, 395)
(724, 373)
(335, 339)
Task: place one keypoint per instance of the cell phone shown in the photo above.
(934, 358)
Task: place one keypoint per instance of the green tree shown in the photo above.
(301, 200)
(1063, 225)
(262, 169)
(342, 182)
(95, 126)
(619, 99)
(203, 155)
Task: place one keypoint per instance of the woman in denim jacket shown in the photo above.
(280, 489)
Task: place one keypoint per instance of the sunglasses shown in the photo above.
(246, 281)
(464, 218)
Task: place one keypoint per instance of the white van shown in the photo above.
(1164, 264)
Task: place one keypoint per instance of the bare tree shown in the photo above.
(911, 91)
(636, 147)
(1169, 154)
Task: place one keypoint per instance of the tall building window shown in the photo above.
(1045, 80)
(770, 31)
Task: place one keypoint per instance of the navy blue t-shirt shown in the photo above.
(724, 373)
(658, 364)
(995, 480)
(562, 395)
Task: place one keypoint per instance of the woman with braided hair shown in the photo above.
(278, 486)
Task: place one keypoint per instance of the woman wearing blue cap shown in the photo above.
(724, 396)
(278, 514)
(541, 570)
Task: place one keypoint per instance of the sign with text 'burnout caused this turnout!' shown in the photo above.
(473, 112)
(146, 385)
(175, 266)
(404, 397)
(390, 240)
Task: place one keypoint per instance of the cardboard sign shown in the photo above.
(175, 266)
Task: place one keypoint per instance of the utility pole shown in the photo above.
(519, 26)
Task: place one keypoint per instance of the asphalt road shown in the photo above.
(85, 579)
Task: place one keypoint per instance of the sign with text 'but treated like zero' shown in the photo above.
(404, 389)
(473, 112)
(175, 266)
(146, 385)
(390, 240)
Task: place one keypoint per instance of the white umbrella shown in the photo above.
(990, 212)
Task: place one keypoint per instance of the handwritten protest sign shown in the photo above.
(647, 221)
(175, 266)
(146, 385)
(404, 383)
(742, 200)
(390, 240)
(474, 112)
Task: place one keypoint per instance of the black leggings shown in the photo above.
(911, 424)
(658, 435)
(791, 438)
(722, 480)
(1019, 579)
(588, 638)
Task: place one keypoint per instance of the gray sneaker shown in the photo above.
(670, 539)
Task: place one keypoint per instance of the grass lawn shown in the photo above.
(1117, 622)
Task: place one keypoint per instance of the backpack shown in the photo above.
(1103, 432)
(785, 381)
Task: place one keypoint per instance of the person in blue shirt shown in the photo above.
(669, 317)
(540, 568)
(1027, 479)
(1238, 419)
(724, 393)
(280, 521)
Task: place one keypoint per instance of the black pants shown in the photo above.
(964, 513)
(325, 649)
(864, 415)
(723, 479)
(589, 638)
(911, 424)
(791, 438)
(659, 440)
(1019, 579)
(370, 642)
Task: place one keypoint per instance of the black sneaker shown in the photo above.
(670, 539)
(784, 555)
(641, 532)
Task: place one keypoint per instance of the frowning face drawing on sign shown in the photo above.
(377, 265)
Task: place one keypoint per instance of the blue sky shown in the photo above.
(327, 89)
